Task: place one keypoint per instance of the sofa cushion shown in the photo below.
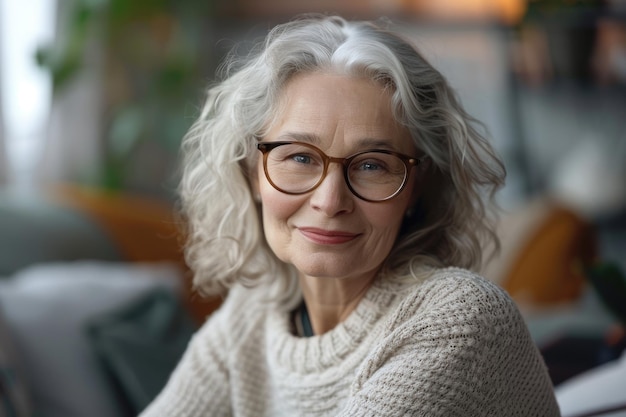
(46, 309)
(141, 343)
(35, 230)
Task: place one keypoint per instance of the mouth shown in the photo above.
(327, 237)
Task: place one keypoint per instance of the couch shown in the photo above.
(96, 305)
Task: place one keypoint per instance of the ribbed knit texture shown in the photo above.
(453, 345)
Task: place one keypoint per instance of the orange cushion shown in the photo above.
(547, 268)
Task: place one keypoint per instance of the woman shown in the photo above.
(334, 186)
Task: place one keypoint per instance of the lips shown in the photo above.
(327, 237)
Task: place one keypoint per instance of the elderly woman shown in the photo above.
(335, 187)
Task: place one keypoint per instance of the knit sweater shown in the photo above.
(452, 345)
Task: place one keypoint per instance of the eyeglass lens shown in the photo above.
(296, 168)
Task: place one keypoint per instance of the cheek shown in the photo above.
(277, 209)
(386, 223)
(389, 215)
(275, 204)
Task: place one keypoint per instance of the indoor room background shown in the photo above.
(96, 96)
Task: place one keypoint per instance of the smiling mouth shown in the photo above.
(327, 237)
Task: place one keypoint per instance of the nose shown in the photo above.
(333, 197)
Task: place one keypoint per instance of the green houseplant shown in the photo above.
(153, 76)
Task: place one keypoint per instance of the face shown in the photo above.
(329, 232)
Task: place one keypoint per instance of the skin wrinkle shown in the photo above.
(342, 115)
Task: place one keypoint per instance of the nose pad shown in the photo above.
(333, 196)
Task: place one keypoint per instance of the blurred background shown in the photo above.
(97, 94)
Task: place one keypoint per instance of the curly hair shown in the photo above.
(453, 219)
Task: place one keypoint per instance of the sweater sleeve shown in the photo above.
(199, 385)
(458, 347)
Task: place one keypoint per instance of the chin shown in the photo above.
(337, 269)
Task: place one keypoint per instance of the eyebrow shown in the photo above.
(300, 137)
(365, 143)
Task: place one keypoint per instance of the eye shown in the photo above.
(293, 154)
(301, 159)
(369, 165)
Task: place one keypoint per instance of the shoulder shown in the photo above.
(452, 302)
(459, 283)
(456, 290)
(453, 337)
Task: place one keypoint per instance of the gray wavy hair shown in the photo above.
(453, 218)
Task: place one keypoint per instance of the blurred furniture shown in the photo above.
(69, 223)
(96, 296)
(548, 256)
(545, 246)
(96, 305)
(598, 392)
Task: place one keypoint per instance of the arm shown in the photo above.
(459, 347)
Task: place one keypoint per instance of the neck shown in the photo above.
(330, 301)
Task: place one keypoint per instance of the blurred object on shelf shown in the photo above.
(503, 11)
(530, 55)
(589, 176)
(573, 41)
(288, 8)
(609, 58)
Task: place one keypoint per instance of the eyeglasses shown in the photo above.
(297, 168)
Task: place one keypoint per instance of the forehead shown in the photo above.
(326, 109)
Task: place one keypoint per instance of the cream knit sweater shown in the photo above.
(453, 345)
